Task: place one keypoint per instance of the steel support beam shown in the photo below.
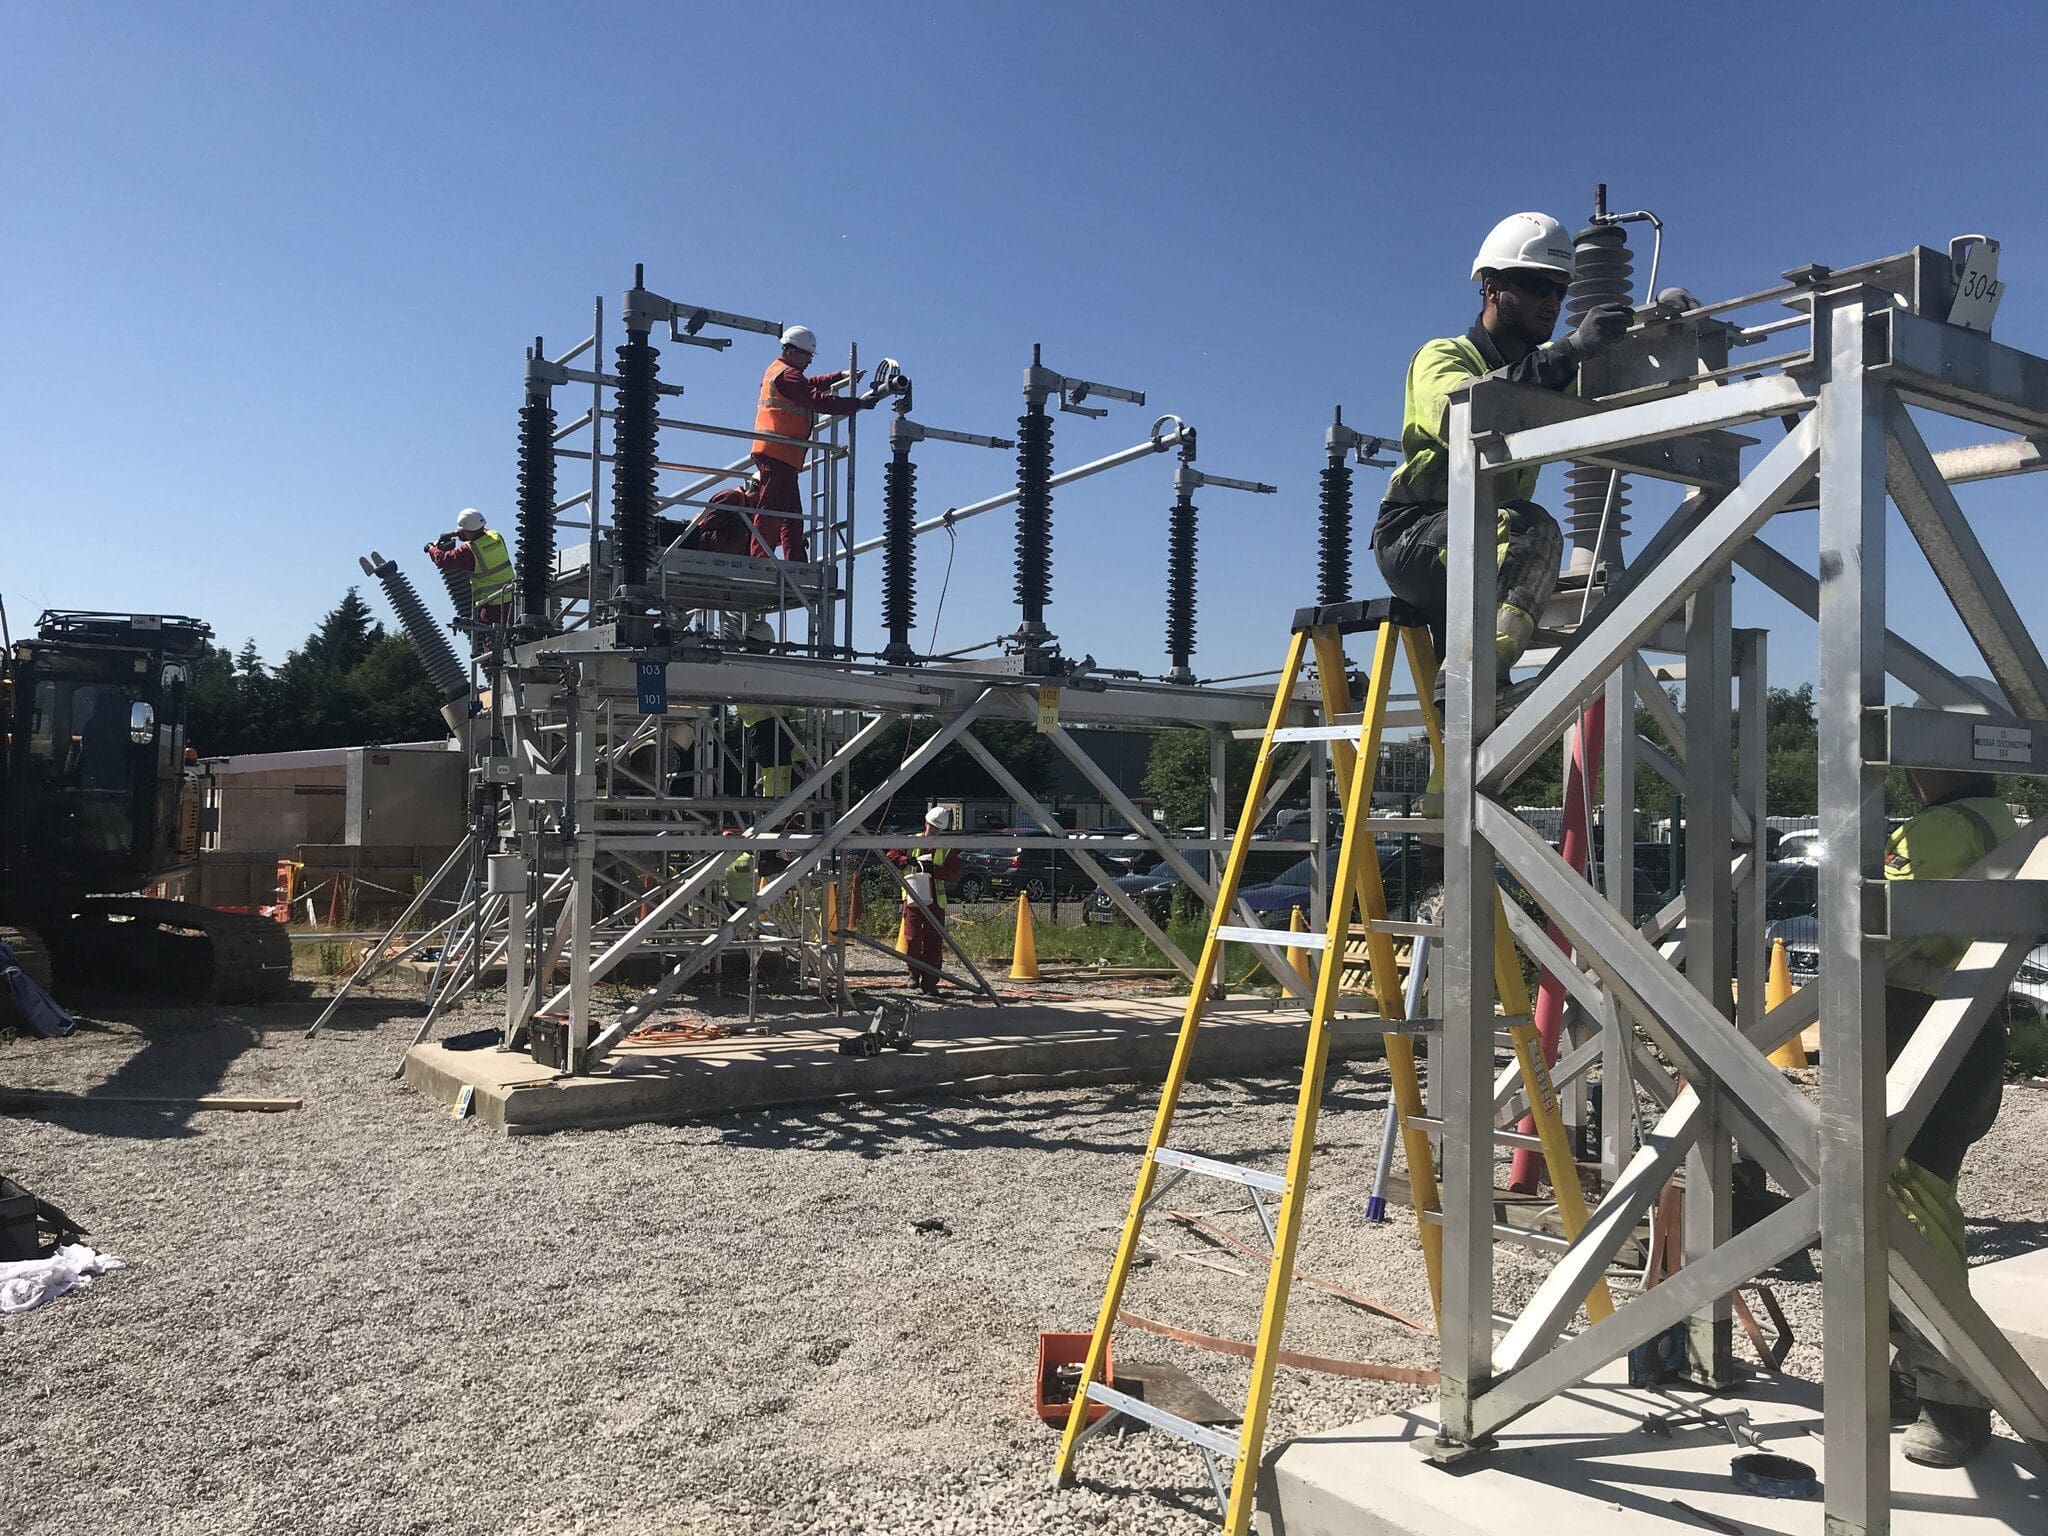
(1723, 530)
(1854, 1195)
(1961, 566)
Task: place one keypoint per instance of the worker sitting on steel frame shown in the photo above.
(1523, 269)
(1962, 819)
(926, 871)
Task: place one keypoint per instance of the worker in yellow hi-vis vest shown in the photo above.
(1961, 820)
(477, 549)
(1523, 268)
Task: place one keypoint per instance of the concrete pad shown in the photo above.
(1581, 1464)
(2014, 1292)
(960, 1050)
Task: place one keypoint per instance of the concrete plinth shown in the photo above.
(959, 1050)
(1582, 1464)
(2014, 1292)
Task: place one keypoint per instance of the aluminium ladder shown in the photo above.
(1356, 891)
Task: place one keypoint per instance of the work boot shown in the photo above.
(1947, 1435)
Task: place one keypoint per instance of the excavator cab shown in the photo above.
(92, 784)
(95, 753)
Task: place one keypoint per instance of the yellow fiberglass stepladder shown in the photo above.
(1357, 908)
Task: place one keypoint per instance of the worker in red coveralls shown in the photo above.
(791, 403)
(926, 872)
(481, 551)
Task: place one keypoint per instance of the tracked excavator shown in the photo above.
(95, 804)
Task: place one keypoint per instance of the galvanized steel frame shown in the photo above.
(1848, 430)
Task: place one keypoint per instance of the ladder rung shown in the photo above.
(1271, 938)
(1412, 1026)
(1406, 823)
(1503, 1233)
(1158, 1418)
(1434, 1125)
(1348, 732)
(1230, 1173)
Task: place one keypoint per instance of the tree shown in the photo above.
(349, 684)
(1177, 775)
(344, 637)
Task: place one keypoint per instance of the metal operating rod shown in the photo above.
(1065, 477)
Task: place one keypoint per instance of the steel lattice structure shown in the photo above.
(1833, 422)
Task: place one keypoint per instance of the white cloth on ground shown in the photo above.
(26, 1283)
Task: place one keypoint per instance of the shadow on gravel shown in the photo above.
(184, 1053)
(1092, 1119)
(1992, 1239)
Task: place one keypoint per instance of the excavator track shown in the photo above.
(178, 950)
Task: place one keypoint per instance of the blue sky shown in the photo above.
(267, 271)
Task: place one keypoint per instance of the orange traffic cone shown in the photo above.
(1024, 948)
(1298, 958)
(1778, 987)
(903, 932)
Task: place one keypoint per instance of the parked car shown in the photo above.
(1155, 894)
(980, 869)
(1040, 873)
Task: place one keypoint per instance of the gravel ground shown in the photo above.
(368, 1317)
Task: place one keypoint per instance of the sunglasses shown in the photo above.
(1536, 287)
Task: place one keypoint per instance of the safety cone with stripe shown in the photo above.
(1778, 987)
(1298, 958)
(1024, 951)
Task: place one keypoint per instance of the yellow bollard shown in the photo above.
(1024, 950)
(1777, 988)
(1298, 958)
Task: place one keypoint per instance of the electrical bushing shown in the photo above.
(1333, 518)
(899, 552)
(1602, 273)
(457, 583)
(536, 494)
(1180, 579)
(436, 655)
(1034, 501)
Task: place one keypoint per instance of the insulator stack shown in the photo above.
(457, 583)
(1034, 514)
(633, 459)
(536, 507)
(428, 641)
(1601, 273)
(1333, 534)
(899, 552)
(1180, 583)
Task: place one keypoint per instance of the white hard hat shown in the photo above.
(1525, 240)
(469, 520)
(939, 818)
(800, 337)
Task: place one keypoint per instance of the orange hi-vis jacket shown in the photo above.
(781, 415)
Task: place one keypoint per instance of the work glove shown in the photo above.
(1930, 1204)
(1600, 328)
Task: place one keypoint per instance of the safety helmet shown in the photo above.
(469, 520)
(801, 337)
(1525, 241)
(939, 818)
